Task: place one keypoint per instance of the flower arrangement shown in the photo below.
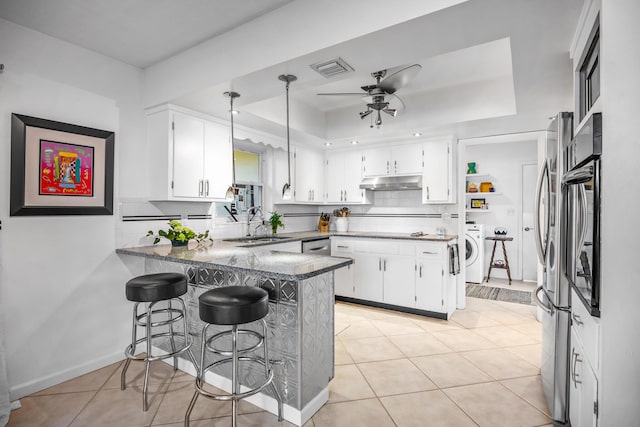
(179, 235)
(276, 221)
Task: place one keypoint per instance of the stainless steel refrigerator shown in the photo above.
(553, 296)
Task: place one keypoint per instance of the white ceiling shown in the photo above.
(486, 64)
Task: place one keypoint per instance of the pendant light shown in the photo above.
(286, 189)
(231, 191)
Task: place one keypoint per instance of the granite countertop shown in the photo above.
(307, 236)
(225, 256)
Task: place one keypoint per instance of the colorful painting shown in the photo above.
(66, 169)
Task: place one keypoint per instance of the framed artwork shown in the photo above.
(59, 168)
(477, 203)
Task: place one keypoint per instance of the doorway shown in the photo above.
(529, 263)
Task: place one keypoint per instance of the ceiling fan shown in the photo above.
(379, 95)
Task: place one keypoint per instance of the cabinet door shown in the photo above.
(343, 281)
(188, 143)
(335, 177)
(429, 284)
(368, 277)
(399, 280)
(377, 162)
(436, 178)
(352, 177)
(406, 159)
(309, 185)
(217, 160)
(583, 386)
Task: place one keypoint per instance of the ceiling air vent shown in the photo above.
(332, 67)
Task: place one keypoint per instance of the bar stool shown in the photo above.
(153, 289)
(233, 306)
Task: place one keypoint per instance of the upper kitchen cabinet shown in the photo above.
(190, 157)
(281, 174)
(398, 160)
(309, 182)
(343, 173)
(438, 178)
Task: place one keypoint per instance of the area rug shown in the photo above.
(499, 294)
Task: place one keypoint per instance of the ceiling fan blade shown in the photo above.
(342, 93)
(396, 80)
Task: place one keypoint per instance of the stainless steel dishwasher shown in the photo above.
(317, 247)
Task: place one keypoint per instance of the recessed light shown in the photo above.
(354, 142)
(328, 144)
(417, 134)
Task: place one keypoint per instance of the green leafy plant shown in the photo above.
(276, 221)
(179, 233)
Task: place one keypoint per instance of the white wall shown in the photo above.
(503, 161)
(61, 286)
(620, 373)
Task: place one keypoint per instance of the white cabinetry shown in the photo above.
(398, 160)
(191, 157)
(309, 181)
(280, 173)
(343, 172)
(437, 179)
(583, 366)
(430, 278)
(400, 273)
(343, 277)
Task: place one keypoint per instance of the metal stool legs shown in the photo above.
(234, 359)
(146, 320)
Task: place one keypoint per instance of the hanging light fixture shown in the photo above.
(286, 189)
(231, 191)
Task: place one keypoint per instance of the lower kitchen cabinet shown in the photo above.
(397, 273)
(583, 393)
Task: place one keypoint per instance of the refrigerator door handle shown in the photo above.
(540, 245)
(546, 307)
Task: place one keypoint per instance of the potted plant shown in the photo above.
(179, 235)
(276, 221)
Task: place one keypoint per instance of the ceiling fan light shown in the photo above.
(391, 111)
(364, 114)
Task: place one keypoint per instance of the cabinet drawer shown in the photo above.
(587, 328)
(429, 249)
(341, 247)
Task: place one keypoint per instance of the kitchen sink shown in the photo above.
(258, 239)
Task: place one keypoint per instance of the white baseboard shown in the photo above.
(261, 400)
(18, 391)
(15, 405)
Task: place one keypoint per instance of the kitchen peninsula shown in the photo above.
(300, 319)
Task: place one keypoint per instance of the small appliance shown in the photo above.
(474, 250)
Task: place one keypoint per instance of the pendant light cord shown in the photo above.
(288, 148)
(233, 157)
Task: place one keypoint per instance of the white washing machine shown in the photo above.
(474, 252)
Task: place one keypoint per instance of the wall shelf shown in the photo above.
(486, 193)
(476, 175)
(477, 210)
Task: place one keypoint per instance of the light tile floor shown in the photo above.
(482, 368)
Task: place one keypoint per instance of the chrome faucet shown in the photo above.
(251, 214)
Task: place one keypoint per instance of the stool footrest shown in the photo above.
(211, 339)
(129, 352)
(237, 396)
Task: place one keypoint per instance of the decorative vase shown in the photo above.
(179, 243)
(471, 168)
(274, 230)
(342, 224)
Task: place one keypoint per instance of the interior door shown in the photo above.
(529, 257)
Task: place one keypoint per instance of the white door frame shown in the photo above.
(520, 212)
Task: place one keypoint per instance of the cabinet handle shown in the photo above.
(574, 374)
(429, 253)
(384, 264)
(341, 195)
(379, 264)
(309, 195)
(345, 195)
(313, 194)
(343, 247)
(395, 166)
(420, 271)
(387, 166)
(206, 191)
(576, 319)
(200, 187)
(427, 192)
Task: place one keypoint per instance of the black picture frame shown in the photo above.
(101, 200)
(478, 203)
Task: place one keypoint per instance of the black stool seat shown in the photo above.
(156, 287)
(233, 305)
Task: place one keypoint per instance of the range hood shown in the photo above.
(382, 183)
